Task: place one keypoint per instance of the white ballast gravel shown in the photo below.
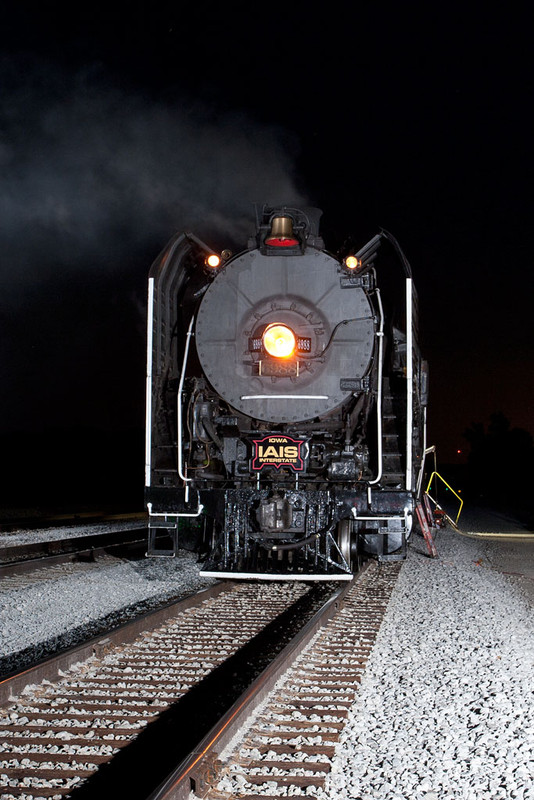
(445, 710)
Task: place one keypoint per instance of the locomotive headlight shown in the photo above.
(279, 340)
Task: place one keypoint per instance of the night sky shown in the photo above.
(120, 126)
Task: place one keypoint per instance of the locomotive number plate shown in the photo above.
(277, 451)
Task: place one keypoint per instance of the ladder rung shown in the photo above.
(164, 552)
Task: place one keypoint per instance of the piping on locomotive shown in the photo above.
(286, 402)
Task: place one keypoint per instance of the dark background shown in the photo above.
(121, 124)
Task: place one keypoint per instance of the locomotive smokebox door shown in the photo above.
(334, 326)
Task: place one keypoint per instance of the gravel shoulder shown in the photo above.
(38, 620)
(446, 706)
(23, 537)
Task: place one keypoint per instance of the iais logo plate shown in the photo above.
(277, 450)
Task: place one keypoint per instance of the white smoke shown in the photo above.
(95, 180)
(93, 173)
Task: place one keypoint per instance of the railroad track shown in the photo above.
(16, 559)
(40, 521)
(127, 702)
(19, 575)
(128, 710)
(279, 739)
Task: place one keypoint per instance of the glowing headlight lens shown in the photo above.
(279, 340)
(351, 262)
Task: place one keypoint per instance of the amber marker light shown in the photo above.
(279, 340)
(351, 262)
(213, 261)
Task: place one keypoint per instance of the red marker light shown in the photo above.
(272, 242)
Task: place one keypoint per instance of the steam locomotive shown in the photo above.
(286, 402)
